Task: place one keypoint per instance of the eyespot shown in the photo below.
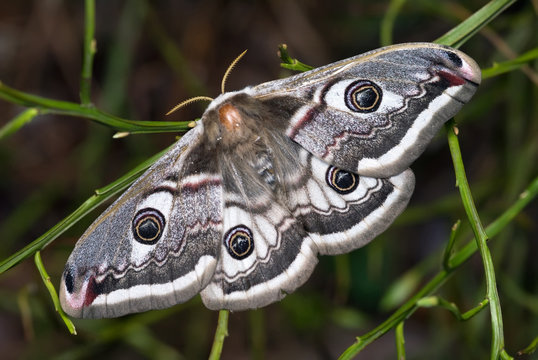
(239, 242)
(363, 96)
(343, 182)
(148, 225)
(456, 60)
(69, 280)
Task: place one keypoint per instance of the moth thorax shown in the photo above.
(230, 117)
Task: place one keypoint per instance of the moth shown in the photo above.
(270, 177)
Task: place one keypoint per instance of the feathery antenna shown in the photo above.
(229, 70)
(207, 98)
(187, 102)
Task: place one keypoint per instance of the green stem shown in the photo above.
(458, 259)
(432, 301)
(88, 52)
(529, 349)
(60, 107)
(469, 314)
(466, 29)
(220, 335)
(288, 62)
(400, 341)
(510, 65)
(449, 247)
(387, 23)
(101, 195)
(53, 294)
(497, 344)
(18, 121)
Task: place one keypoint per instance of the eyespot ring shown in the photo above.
(239, 242)
(148, 226)
(341, 181)
(363, 96)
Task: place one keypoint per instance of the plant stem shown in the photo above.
(458, 259)
(100, 196)
(497, 344)
(51, 106)
(387, 23)
(53, 294)
(220, 335)
(400, 341)
(466, 29)
(88, 52)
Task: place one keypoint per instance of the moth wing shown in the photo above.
(375, 113)
(272, 237)
(265, 252)
(152, 248)
(342, 211)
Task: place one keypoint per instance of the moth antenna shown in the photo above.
(229, 70)
(187, 102)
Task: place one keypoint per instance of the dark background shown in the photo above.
(153, 54)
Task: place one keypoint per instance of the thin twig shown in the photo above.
(481, 237)
(459, 257)
(88, 52)
(220, 335)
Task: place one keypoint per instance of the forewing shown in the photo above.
(156, 246)
(373, 114)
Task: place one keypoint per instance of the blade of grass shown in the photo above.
(466, 29)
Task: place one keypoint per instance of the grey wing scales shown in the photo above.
(270, 245)
(342, 211)
(265, 251)
(156, 246)
(374, 114)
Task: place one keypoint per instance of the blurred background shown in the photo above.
(153, 54)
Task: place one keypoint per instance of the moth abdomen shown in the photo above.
(264, 168)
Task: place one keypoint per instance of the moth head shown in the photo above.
(230, 117)
(233, 120)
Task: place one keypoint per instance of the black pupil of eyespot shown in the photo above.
(148, 229)
(366, 97)
(69, 281)
(343, 179)
(240, 244)
(148, 226)
(454, 58)
(363, 96)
